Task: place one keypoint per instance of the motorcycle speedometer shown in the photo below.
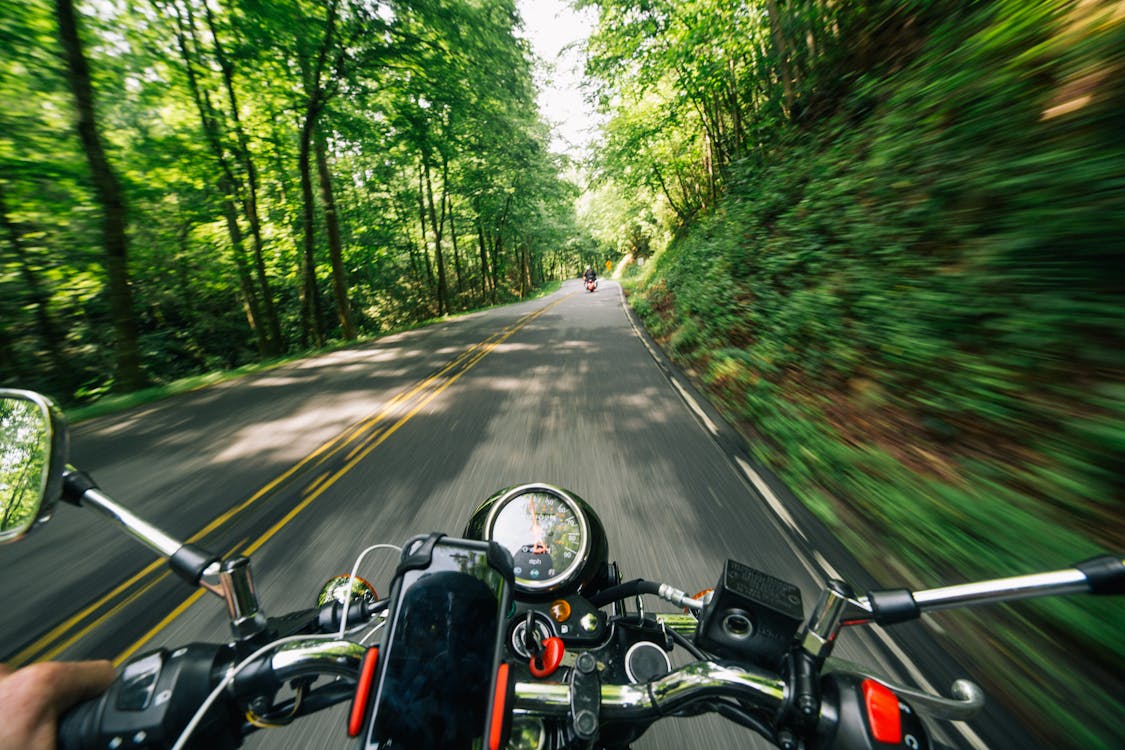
(549, 532)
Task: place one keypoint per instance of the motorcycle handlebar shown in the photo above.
(83, 727)
(692, 683)
(697, 681)
(78, 727)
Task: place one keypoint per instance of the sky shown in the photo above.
(551, 25)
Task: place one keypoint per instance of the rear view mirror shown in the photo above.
(33, 446)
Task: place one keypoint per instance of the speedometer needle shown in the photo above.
(536, 531)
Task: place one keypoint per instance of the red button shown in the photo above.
(882, 712)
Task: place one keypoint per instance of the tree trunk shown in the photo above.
(680, 212)
(498, 248)
(11, 364)
(439, 260)
(734, 104)
(311, 313)
(782, 54)
(335, 247)
(498, 264)
(49, 333)
(404, 226)
(226, 182)
(456, 249)
(250, 202)
(483, 260)
(242, 267)
(422, 223)
(107, 190)
(447, 201)
(283, 186)
(525, 271)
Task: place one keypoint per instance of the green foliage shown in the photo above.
(909, 293)
(202, 107)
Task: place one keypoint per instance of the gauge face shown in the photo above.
(547, 535)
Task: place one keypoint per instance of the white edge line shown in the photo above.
(695, 407)
(826, 567)
(765, 491)
(687, 397)
(783, 514)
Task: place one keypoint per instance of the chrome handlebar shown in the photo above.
(698, 681)
(317, 656)
(706, 680)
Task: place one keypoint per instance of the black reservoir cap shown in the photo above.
(752, 616)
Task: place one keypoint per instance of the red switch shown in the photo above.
(882, 712)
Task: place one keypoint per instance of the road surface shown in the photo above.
(305, 465)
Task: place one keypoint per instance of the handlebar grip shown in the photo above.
(1106, 574)
(151, 701)
(78, 727)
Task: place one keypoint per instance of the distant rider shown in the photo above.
(590, 275)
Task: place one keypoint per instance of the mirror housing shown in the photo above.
(335, 589)
(33, 453)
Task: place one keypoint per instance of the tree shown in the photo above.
(270, 154)
(110, 197)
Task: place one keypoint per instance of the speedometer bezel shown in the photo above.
(573, 572)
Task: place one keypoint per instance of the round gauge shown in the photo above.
(547, 534)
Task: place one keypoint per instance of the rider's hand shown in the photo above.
(33, 698)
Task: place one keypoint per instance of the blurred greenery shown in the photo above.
(112, 404)
(289, 175)
(907, 290)
(885, 235)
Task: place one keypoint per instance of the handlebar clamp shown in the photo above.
(585, 697)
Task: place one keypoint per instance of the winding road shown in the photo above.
(304, 465)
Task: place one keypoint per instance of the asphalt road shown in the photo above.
(305, 465)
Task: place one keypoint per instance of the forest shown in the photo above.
(188, 186)
(884, 236)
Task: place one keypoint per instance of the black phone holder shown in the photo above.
(440, 680)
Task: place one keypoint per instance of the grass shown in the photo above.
(914, 314)
(116, 403)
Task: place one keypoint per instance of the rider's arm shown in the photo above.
(33, 698)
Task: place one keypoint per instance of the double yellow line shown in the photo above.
(359, 441)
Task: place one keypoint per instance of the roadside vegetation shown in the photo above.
(114, 403)
(887, 238)
(198, 185)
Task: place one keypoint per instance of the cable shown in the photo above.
(731, 712)
(222, 686)
(640, 586)
(739, 716)
(276, 722)
(623, 591)
(352, 576)
(371, 632)
(688, 646)
(210, 701)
